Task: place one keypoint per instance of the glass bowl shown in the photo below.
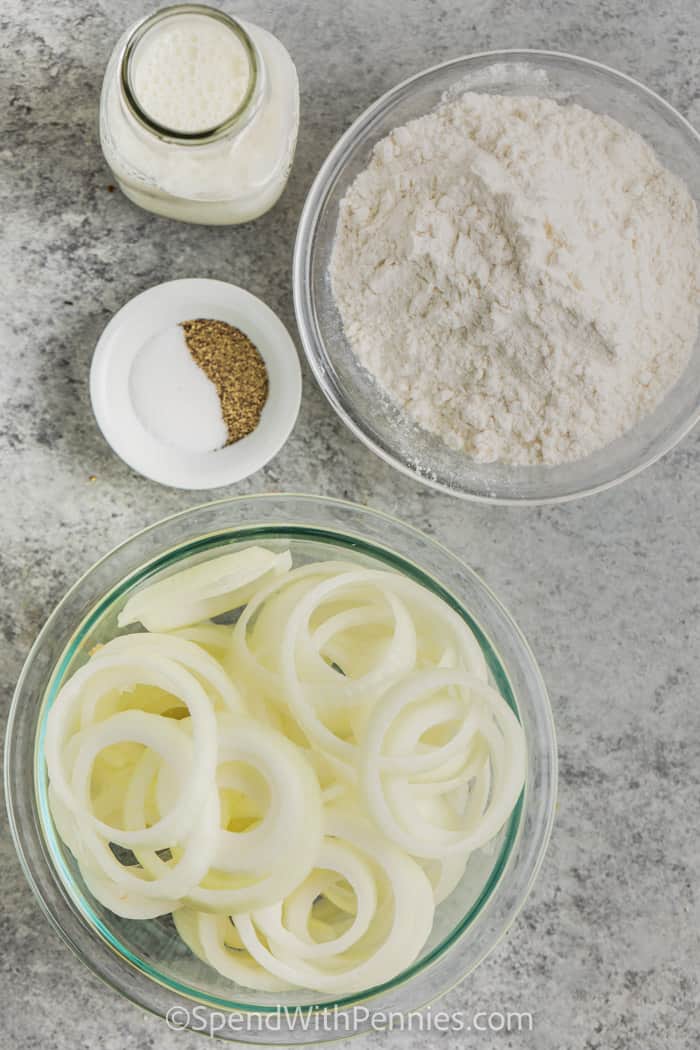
(352, 391)
(146, 961)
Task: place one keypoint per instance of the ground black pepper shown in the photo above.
(233, 364)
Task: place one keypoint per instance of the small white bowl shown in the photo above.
(125, 377)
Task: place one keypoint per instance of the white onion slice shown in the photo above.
(339, 858)
(388, 796)
(203, 591)
(271, 855)
(445, 874)
(199, 758)
(403, 930)
(208, 671)
(214, 638)
(215, 940)
(267, 612)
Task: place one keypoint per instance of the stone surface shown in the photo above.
(606, 953)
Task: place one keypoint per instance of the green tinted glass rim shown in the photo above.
(140, 575)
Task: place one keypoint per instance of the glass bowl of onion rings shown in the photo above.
(281, 759)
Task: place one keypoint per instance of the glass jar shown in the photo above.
(229, 172)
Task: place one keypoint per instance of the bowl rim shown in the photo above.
(303, 300)
(18, 825)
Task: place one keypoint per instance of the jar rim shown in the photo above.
(236, 121)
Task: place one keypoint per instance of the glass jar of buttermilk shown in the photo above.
(199, 115)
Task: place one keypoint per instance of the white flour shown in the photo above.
(522, 277)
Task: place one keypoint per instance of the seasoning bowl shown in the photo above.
(146, 961)
(165, 422)
(350, 388)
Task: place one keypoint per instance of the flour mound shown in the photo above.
(521, 277)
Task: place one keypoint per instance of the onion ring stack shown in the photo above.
(301, 789)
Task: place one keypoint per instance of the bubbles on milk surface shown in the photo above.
(190, 74)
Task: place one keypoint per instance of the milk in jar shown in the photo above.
(199, 116)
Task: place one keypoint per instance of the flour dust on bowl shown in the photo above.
(483, 282)
(377, 577)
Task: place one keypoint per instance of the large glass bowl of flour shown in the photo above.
(353, 392)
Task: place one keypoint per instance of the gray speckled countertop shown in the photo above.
(606, 953)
